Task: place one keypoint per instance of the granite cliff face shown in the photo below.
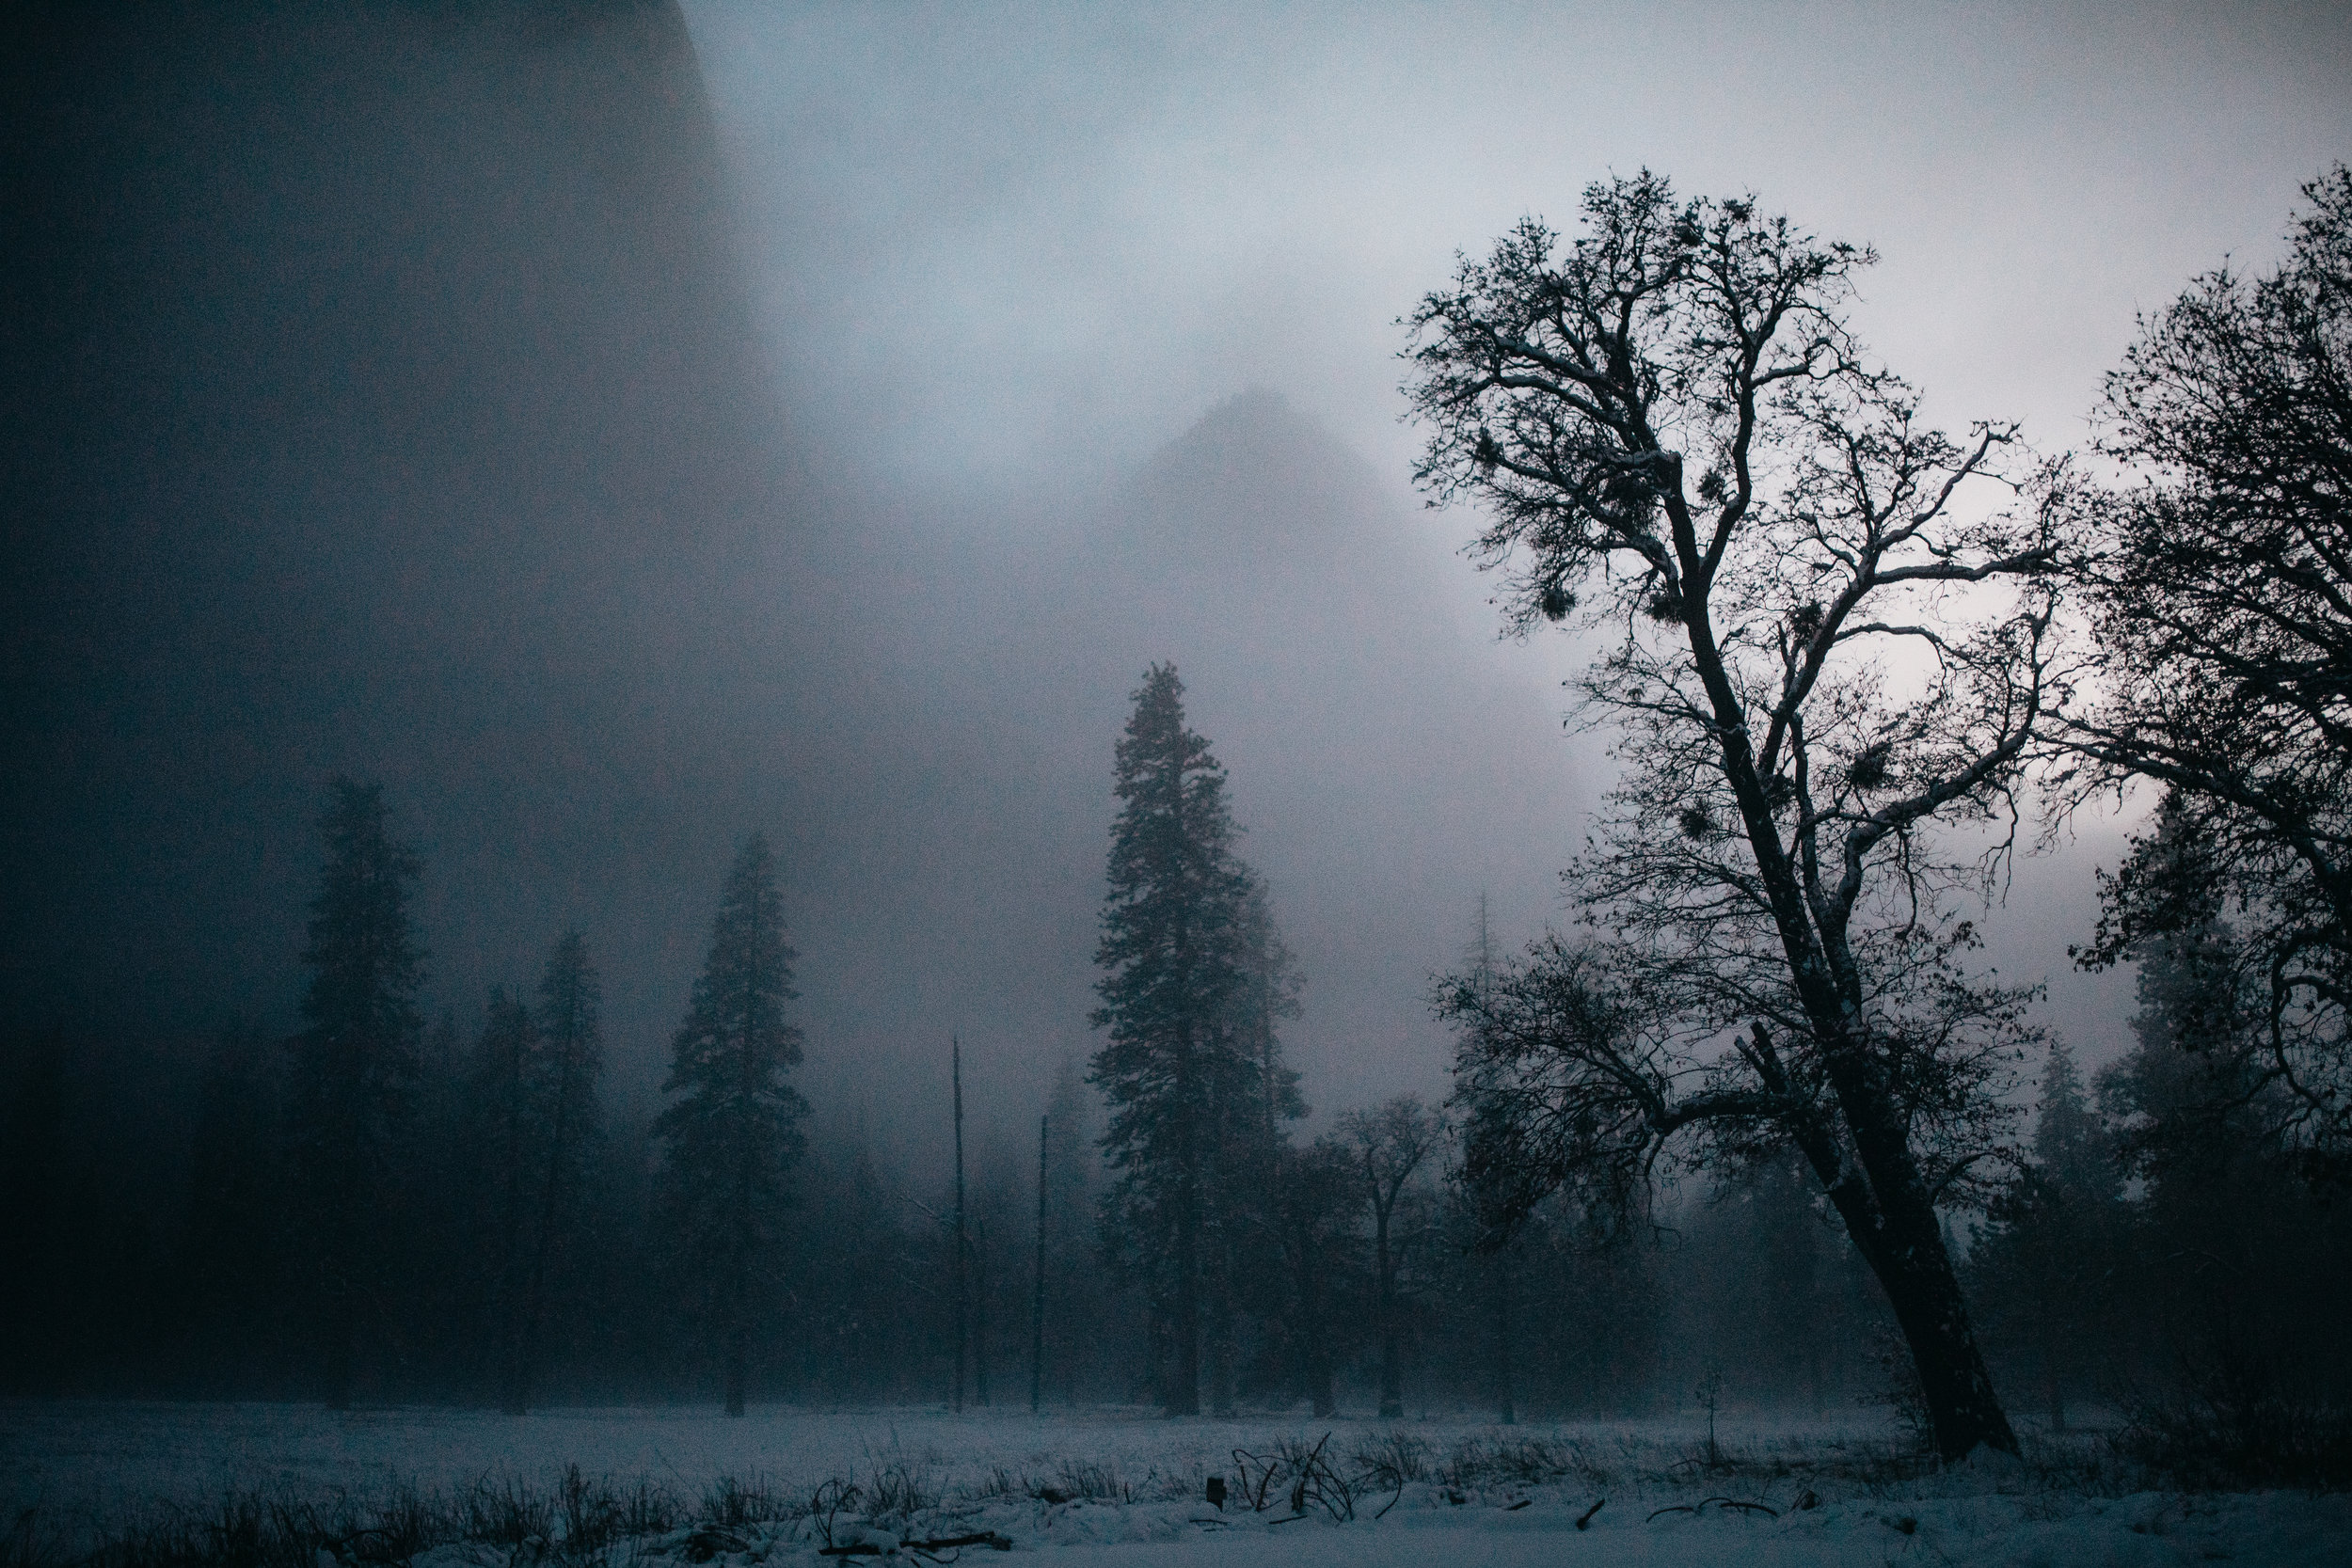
(381, 397)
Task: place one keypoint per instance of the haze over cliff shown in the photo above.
(395, 410)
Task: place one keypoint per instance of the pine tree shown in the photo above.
(354, 1061)
(1172, 970)
(1314, 1204)
(2235, 1271)
(1268, 994)
(1795, 1317)
(1252, 1093)
(733, 1133)
(1485, 1219)
(441, 1203)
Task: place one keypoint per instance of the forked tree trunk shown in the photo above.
(1924, 1290)
(1885, 1204)
(1871, 1175)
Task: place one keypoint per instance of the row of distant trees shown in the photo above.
(514, 1243)
(513, 1164)
(380, 1207)
(2159, 1243)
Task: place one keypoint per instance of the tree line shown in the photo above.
(379, 1206)
(377, 1209)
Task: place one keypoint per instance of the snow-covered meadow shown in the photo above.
(1123, 1487)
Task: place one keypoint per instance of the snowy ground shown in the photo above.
(982, 1473)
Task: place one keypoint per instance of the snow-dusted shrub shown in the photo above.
(596, 1514)
(1522, 1459)
(504, 1513)
(1388, 1460)
(731, 1503)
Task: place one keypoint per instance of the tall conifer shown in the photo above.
(733, 1133)
(1171, 971)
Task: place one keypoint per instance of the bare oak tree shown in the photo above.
(2223, 610)
(1828, 660)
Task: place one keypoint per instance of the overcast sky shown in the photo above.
(996, 239)
(1009, 253)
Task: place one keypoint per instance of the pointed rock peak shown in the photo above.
(1254, 411)
(1253, 470)
(1258, 426)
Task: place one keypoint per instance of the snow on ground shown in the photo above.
(108, 1461)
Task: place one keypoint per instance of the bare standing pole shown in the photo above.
(979, 1310)
(1037, 1301)
(964, 1311)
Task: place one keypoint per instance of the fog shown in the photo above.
(621, 428)
(1034, 240)
(1003, 258)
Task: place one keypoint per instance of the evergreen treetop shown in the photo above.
(1177, 889)
(2068, 1144)
(571, 1000)
(735, 1112)
(1171, 923)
